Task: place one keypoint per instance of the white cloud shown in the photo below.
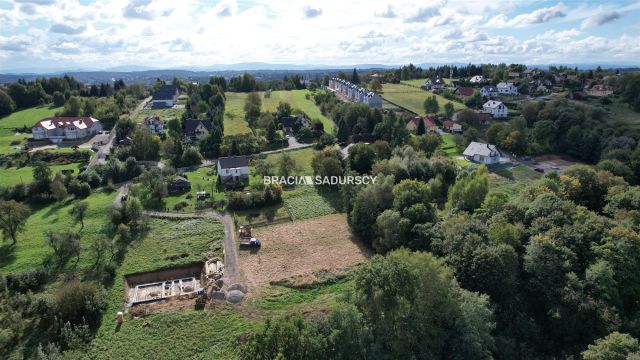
(163, 33)
(600, 19)
(538, 16)
(311, 12)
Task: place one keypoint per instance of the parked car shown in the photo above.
(541, 171)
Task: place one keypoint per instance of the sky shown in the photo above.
(86, 34)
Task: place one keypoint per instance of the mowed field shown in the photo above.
(234, 122)
(12, 176)
(298, 251)
(164, 114)
(412, 98)
(31, 250)
(19, 119)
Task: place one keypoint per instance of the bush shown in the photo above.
(29, 280)
(80, 302)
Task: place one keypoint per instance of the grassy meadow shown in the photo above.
(17, 120)
(164, 114)
(30, 250)
(234, 122)
(413, 98)
(12, 176)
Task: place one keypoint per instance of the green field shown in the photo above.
(306, 201)
(30, 250)
(19, 119)
(302, 158)
(512, 181)
(164, 114)
(412, 98)
(13, 176)
(420, 82)
(453, 151)
(202, 179)
(298, 101)
(234, 122)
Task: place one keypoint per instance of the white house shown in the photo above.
(507, 88)
(496, 108)
(478, 79)
(154, 124)
(195, 129)
(233, 171)
(489, 91)
(166, 96)
(482, 153)
(57, 129)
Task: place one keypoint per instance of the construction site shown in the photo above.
(199, 279)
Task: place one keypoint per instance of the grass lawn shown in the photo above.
(234, 122)
(413, 98)
(164, 114)
(420, 82)
(31, 251)
(19, 119)
(453, 151)
(512, 181)
(307, 201)
(302, 158)
(298, 100)
(13, 176)
(202, 179)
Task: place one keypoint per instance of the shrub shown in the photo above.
(29, 280)
(80, 302)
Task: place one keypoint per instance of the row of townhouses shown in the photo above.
(355, 93)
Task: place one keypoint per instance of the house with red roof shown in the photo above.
(58, 128)
(464, 91)
(429, 124)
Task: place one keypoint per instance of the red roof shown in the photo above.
(465, 90)
(428, 122)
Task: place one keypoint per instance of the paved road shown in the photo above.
(103, 150)
(231, 266)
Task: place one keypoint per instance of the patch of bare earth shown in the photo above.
(300, 250)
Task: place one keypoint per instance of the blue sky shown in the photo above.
(72, 34)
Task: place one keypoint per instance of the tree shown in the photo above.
(393, 230)
(58, 190)
(409, 300)
(73, 107)
(615, 346)
(78, 211)
(100, 247)
(58, 99)
(427, 143)
(13, 217)
(375, 85)
(361, 158)
(287, 338)
(271, 131)
(283, 110)
(420, 130)
(80, 302)
(42, 176)
(145, 145)
(354, 77)
(286, 165)
(431, 105)
(469, 191)
(191, 156)
(7, 106)
(64, 245)
(449, 109)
